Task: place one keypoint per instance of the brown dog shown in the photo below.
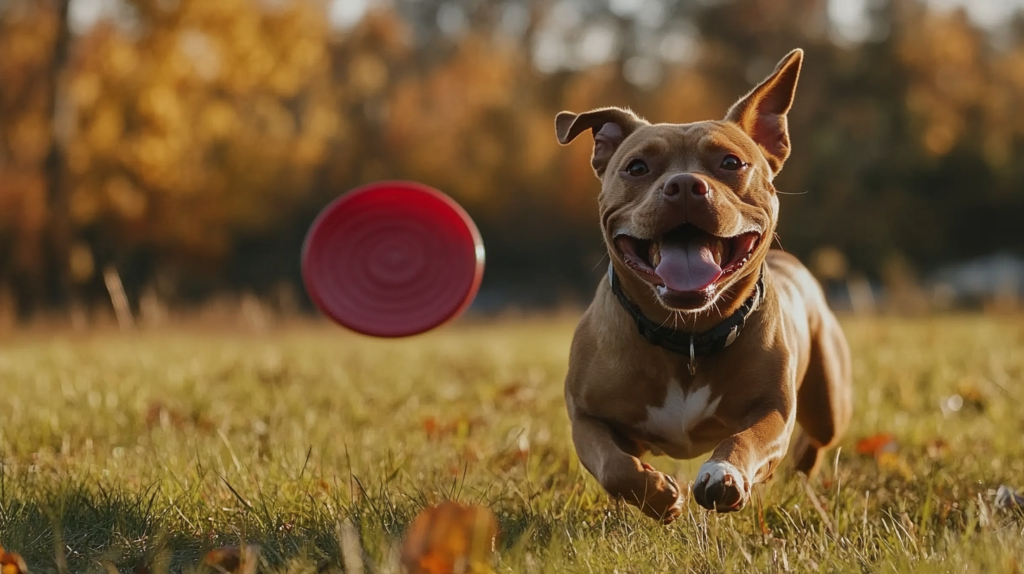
(658, 362)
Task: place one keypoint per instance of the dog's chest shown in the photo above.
(671, 425)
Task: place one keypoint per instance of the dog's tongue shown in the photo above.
(687, 263)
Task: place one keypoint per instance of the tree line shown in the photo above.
(186, 145)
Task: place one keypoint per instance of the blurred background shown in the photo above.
(162, 157)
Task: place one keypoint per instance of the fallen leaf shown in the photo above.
(11, 563)
(233, 559)
(460, 427)
(430, 426)
(875, 445)
(450, 538)
(885, 450)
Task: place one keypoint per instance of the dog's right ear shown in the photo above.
(611, 126)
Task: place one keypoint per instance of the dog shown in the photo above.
(701, 338)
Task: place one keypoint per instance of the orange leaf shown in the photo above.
(460, 427)
(877, 444)
(450, 538)
(233, 559)
(11, 563)
(430, 426)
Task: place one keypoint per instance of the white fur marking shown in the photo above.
(680, 413)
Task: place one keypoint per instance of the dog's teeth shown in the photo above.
(654, 254)
(717, 251)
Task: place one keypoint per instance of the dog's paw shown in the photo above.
(720, 486)
(663, 499)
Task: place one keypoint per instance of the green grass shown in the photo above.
(158, 447)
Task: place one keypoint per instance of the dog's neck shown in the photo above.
(728, 304)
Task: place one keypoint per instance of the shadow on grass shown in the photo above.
(92, 527)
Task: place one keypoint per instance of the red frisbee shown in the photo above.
(392, 259)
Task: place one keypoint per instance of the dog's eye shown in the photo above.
(732, 163)
(637, 167)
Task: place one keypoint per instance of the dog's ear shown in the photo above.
(762, 112)
(611, 126)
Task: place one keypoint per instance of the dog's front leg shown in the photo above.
(747, 457)
(613, 462)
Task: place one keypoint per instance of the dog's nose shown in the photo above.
(678, 186)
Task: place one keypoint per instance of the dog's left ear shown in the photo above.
(611, 126)
(762, 112)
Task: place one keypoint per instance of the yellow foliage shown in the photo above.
(208, 120)
(29, 139)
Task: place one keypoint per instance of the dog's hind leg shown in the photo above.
(824, 401)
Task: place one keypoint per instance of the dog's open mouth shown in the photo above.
(687, 260)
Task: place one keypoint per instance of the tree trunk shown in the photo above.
(59, 225)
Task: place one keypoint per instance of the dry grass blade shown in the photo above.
(817, 505)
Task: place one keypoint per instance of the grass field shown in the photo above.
(155, 448)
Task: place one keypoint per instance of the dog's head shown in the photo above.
(690, 208)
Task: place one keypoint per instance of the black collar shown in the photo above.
(690, 344)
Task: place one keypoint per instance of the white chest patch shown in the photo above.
(681, 412)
